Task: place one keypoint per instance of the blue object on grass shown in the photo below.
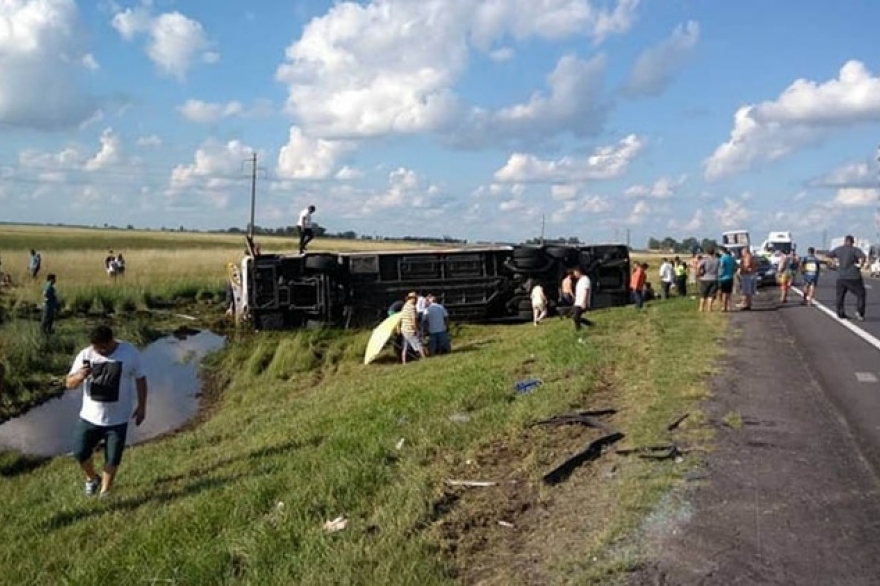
(527, 386)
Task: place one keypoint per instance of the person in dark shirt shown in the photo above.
(50, 305)
(849, 276)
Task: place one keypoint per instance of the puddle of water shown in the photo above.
(171, 364)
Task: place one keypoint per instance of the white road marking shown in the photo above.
(844, 322)
(866, 377)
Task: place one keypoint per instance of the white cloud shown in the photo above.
(694, 225)
(390, 66)
(347, 173)
(207, 112)
(804, 114)
(150, 140)
(502, 54)
(212, 178)
(733, 215)
(304, 157)
(109, 154)
(213, 112)
(856, 197)
(573, 104)
(663, 188)
(89, 62)
(563, 192)
(855, 174)
(41, 63)
(656, 66)
(174, 41)
(579, 207)
(606, 162)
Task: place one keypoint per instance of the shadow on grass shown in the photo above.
(20, 464)
(195, 482)
(67, 518)
(265, 452)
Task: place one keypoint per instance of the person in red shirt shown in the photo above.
(637, 284)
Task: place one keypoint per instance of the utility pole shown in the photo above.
(252, 162)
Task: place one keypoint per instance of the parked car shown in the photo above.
(766, 273)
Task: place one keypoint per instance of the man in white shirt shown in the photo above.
(304, 224)
(667, 278)
(582, 290)
(110, 373)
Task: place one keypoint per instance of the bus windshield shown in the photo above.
(783, 247)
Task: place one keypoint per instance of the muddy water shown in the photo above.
(171, 365)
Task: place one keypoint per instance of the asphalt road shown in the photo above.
(792, 496)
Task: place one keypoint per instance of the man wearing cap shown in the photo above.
(409, 327)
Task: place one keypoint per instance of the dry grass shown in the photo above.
(160, 264)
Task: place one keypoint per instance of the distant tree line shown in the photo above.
(686, 246)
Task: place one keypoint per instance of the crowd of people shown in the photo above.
(714, 275)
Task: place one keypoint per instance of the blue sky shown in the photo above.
(445, 117)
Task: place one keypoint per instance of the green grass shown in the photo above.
(303, 433)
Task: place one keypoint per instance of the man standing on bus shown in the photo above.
(304, 224)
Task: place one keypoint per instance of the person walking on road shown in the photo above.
(810, 270)
(306, 234)
(849, 276)
(784, 276)
(112, 378)
(747, 283)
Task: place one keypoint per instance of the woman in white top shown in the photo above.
(539, 304)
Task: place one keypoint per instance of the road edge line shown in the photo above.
(865, 336)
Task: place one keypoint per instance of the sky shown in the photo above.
(481, 120)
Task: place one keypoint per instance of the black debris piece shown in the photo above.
(677, 422)
(592, 452)
(665, 452)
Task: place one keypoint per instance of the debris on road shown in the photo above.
(506, 524)
(459, 418)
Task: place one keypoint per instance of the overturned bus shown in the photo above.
(474, 283)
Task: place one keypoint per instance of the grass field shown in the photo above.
(303, 433)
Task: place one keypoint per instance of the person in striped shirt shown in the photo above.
(409, 327)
